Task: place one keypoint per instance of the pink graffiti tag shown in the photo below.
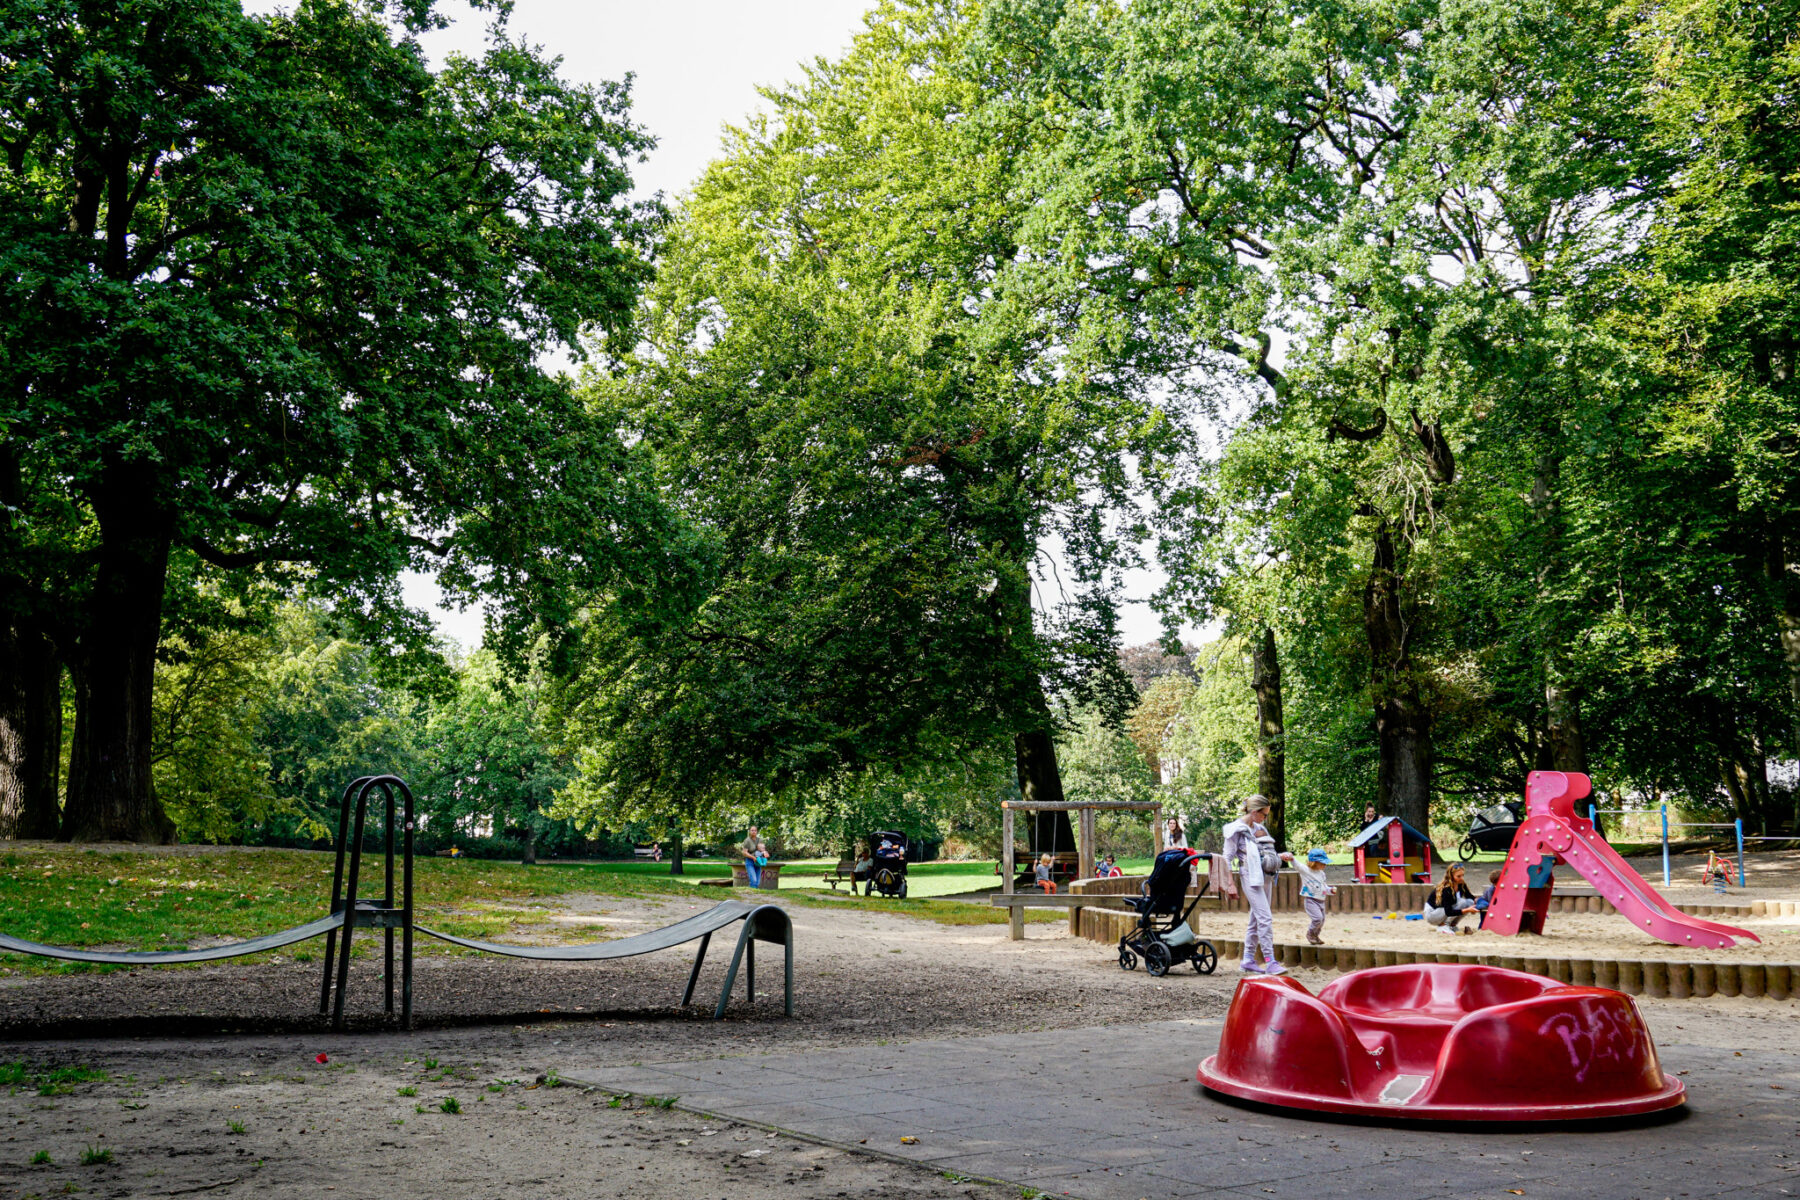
(1605, 1037)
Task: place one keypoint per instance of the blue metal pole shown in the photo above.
(1590, 812)
(1740, 836)
(1665, 817)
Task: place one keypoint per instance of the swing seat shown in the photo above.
(1440, 1041)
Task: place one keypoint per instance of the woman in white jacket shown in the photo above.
(1249, 845)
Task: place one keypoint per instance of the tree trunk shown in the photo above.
(528, 856)
(1784, 567)
(1034, 739)
(111, 793)
(30, 731)
(1565, 741)
(1271, 735)
(1403, 721)
(675, 866)
(1732, 774)
(1040, 781)
(1562, 720)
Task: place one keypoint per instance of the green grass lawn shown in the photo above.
(923, 880)
(157, 901)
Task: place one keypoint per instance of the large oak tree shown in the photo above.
(277, 291)
(877, 439)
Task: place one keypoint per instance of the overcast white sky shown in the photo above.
(697, 65)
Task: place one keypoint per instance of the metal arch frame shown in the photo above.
(383, 914)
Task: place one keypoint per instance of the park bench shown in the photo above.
(845, 872)
(643, 852)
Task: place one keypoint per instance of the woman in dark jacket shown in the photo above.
(1449, 901)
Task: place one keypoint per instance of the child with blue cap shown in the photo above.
(1313, 891)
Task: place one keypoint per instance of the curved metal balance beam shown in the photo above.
(141, 958)
(393, 911)
(761, 923)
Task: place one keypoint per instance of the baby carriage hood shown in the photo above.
(1169, 876)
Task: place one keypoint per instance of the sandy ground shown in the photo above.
(1566, 935)
(188, 1052)
(212, 1085)
(1771, 874)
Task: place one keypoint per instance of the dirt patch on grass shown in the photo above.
(181, 1070)
(857, 974)
(386, 1124)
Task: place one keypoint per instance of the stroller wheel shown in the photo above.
(1205, 958)
(1127, 960)
(1157, 959)
(903, 889)
(1467, 849)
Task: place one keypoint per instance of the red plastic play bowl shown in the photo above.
(1442, 1042)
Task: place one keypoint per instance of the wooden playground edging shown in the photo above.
(1656, 978)
(1409, 898)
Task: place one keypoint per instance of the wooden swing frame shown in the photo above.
(1084, 846)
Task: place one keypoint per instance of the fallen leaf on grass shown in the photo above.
(1515, 1192)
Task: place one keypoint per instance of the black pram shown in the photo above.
(1491, 829)
(1163, 936)
(887, 872)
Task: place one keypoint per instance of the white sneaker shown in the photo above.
(1446, 929)
(1275, 969)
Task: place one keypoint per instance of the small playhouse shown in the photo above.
(1408, 853)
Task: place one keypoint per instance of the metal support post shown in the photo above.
(1742, 882)
(1665, 841)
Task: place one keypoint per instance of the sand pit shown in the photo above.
(1566, 935)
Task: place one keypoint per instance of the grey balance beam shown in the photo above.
(761, 923)
(269, 941)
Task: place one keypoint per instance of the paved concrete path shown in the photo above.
(1113, 1113)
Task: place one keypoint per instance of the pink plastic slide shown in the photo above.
(1552, 834)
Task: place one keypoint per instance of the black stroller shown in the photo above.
(1491, 829)
(1167, 943)
(887, 872)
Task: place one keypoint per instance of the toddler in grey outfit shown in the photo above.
(1313, 891)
